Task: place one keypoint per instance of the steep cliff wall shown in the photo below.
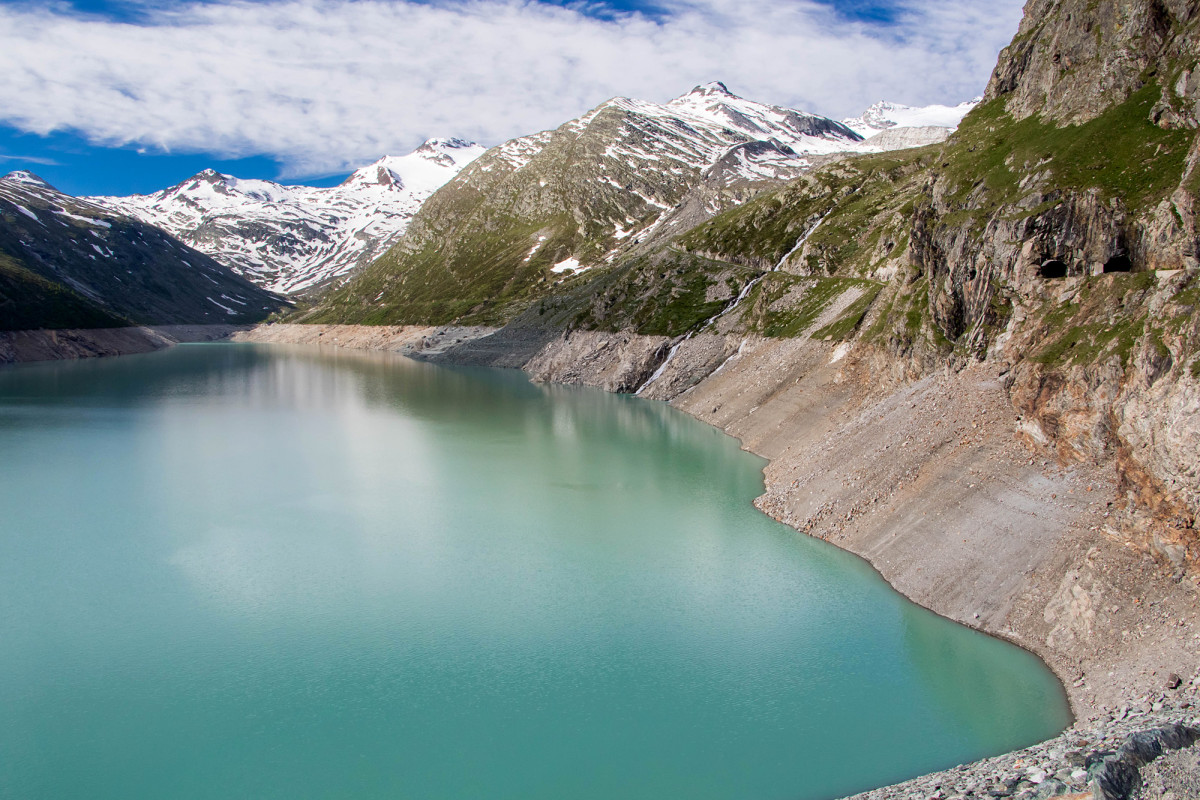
(1059, 239)
(1072, 59)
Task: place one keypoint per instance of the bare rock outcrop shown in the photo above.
(1072, 59)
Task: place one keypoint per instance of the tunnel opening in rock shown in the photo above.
(1053, 268)
(1118, 263)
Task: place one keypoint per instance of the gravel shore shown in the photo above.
(1091, 759)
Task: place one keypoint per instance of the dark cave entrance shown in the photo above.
(1053, 269)
(1118, 263)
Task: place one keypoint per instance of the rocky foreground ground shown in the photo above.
(1145, 750)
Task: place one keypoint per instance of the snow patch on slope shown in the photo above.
(568, 265)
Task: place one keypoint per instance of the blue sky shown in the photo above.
(107, 97)
(133, 10)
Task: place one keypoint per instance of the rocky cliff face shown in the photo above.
(1073, 59)
(1058, 236)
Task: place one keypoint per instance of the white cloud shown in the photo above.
(49, 162)
(327, 84)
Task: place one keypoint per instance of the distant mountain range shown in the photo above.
(886, 116)
(892, 126)
(294, 239)
(300, 240)
(528, 212)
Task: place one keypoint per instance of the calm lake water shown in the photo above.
(230, 571)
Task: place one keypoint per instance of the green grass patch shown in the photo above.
(815, 295)
(1109, 319)
(847, 323)
(918, 305)
(1188, 297)
(1121, 153)
(1086, 344)
(879, 328)
(1160, 347)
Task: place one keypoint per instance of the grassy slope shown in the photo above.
(467, 257)
(1121, 153)
(860, 202)
(1121, 156)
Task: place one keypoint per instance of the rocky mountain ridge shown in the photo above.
(297, 239)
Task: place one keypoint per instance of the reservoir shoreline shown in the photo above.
(940, 498)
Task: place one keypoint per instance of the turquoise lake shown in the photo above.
(237, 571)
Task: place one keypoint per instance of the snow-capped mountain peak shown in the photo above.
(374, 175)
(444, 150)
(26, 177)
(294, 238)
(803, 132)
(698, 129)
(710, 89)
(712, 119)
(423, 171)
